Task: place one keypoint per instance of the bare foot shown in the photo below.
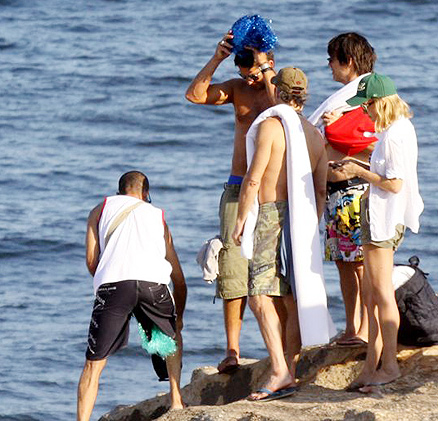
(363, 379)
(382, 377)
(370, 389)
(177, 405)
(176, 401)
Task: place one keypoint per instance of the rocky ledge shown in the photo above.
(324, 373)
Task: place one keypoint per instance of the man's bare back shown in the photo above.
(266, 180)
(273, 184)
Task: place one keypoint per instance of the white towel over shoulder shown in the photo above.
(336, 101)
(316, 326)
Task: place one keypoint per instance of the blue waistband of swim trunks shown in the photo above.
(235, 179)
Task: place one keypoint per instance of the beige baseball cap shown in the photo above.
(291, 80)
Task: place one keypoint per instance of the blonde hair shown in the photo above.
(389, 109)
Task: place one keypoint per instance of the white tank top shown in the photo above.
(136, 250)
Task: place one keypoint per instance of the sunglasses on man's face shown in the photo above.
(253, 77)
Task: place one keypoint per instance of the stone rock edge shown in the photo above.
(324, 372)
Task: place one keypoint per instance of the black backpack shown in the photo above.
(418, 307)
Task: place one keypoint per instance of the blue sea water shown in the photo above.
(91, 89)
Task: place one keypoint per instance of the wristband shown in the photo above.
(265, 67)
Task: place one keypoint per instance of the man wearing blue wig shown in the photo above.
(250, 95)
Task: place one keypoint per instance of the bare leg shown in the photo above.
(280, 307)
(380, 275)
(350, 275)
(233, 316)
(363, 326)
(88, 388)
(173, 363)
(383, 317)
(374, 348)
(293, 345)
(269, 324)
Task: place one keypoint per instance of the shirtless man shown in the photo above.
(350, 57)
(250, 95)
(267, 179)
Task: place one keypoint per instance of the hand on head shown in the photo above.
(225, 46)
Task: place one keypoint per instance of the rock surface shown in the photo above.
(324, 373)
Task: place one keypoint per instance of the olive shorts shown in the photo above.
(232, 281)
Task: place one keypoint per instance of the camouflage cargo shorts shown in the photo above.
(264, 268)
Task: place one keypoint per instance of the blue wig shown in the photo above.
(252, 31)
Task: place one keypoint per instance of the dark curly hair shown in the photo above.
(245, 58)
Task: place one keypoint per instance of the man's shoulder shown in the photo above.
(229, 90)
(315, 141)
(233, 83)
(310, 128)
(96, 211)
(270, 129)
(244, 92)
(272, 122)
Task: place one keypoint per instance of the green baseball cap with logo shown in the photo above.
(373, 86)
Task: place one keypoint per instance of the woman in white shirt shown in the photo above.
(392, 203)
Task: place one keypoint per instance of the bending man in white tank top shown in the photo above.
(130, 253)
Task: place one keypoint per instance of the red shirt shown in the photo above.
(347, 134)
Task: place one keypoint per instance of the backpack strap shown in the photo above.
(414, 261)
(119, 219)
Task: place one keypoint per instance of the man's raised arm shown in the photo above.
(201, 91)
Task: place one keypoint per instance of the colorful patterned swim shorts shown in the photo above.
(342, 238)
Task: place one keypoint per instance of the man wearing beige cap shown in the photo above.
(283, 188)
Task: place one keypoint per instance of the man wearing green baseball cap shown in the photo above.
(373, 86)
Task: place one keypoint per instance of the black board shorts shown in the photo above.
(114, 305)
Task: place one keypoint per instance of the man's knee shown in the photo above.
(92, 368)
(256, 303)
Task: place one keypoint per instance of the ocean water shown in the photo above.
(91, 89)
